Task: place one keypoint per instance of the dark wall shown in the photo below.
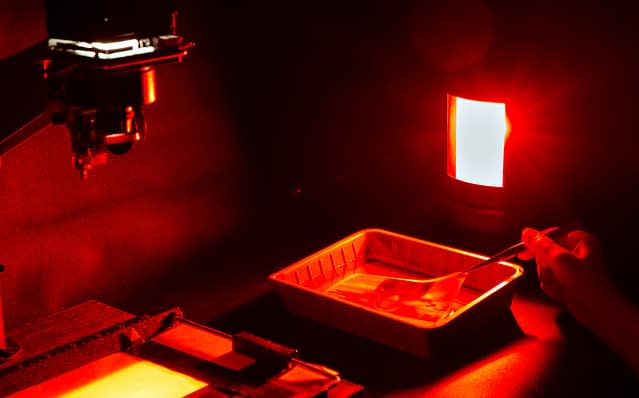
(319, 118)
(22, 25)
(357, 90)
(137, 218)
(341, 108)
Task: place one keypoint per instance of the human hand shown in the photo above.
(571, 270)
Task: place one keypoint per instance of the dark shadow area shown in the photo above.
(379, 368)
(587, 367)
(214, 277)
(21, 76)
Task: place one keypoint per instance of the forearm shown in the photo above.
(616, 321)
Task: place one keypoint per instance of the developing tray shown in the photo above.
(314, 287)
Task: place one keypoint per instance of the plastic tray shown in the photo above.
(308, 288)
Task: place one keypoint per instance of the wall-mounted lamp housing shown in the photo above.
(477, 196)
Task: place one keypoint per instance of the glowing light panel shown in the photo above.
(477, 133)
(117, 375)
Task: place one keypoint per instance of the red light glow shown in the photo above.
(117, 375)
(477, 132)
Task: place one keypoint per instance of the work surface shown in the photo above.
(535, 350)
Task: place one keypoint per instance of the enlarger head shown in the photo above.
(100, 70)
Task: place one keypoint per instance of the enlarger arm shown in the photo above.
(99, 73)
(98, 65)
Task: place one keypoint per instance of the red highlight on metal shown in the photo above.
(477, 132)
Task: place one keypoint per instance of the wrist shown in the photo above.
(598, 307)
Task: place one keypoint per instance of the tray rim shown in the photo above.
(518, 272)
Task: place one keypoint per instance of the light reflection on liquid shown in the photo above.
(400, 297)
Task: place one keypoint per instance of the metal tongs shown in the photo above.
(443, 290)
(520, 247)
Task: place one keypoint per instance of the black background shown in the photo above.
(337, 112)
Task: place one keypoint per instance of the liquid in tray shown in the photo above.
(398, 297)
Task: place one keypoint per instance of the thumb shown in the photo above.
(527, 235)
(586, 246)
(545, 248)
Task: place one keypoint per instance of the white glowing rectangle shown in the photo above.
(56, 42)
(476, 140)
(84, 53)
(103, 50)
(126, 53)
(116, 45)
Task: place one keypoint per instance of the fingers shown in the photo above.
(584, 246)
(576, 247)
(570, 267)
(538, 243)
(548, 255)
(545, 248)
(549, 283)
(575, 237)
(527, 235)
(526, 255)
